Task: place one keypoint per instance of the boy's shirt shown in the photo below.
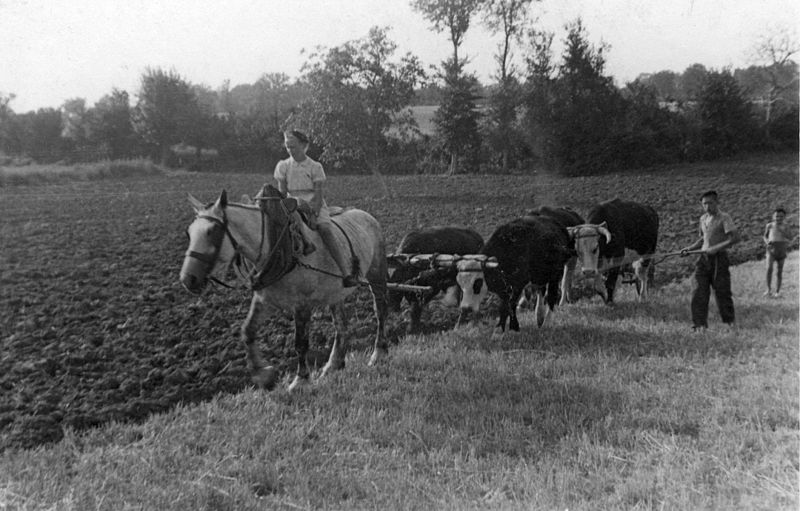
(300, 176)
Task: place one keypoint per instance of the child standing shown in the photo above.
(776, 238)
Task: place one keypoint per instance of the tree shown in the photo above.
(507, 17)
(38, 135)
(725, 115)
(692, 81)
(6, 120)
(75, 128)
(358, 94)
(456, 119)
(111, 125)
(453, 16)
(774, 51)
(665, 83)
(166, 111)
(579, 113)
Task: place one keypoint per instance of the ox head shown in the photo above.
(587, 245)
(472, 281)
(210, 250)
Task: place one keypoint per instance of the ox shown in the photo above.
(443, 240)
(530, 251)
(613, 226)
(566, 218)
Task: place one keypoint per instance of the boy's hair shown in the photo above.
(710, 193)
(780, 210)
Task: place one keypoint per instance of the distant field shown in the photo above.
(424, 117)
(605, 407)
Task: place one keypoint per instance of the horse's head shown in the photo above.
(210, 247)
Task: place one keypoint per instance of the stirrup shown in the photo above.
(350, 281)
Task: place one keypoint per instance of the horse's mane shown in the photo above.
(281, 258)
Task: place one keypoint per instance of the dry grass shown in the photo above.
(40, 174)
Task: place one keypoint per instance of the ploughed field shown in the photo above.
(95, 326)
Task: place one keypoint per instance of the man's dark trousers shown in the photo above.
(712, 271)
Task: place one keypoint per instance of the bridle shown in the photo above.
(249, 272)
(218, 233)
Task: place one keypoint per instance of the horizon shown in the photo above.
(54, 59)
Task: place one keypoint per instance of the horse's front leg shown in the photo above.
(339, 348)
(302, 316)
(263, 377)
(377, 285)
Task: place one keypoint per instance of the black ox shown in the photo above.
(611, 227)
(531, 251)
(566, 218)
(430, 240)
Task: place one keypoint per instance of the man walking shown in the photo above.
(717, 233)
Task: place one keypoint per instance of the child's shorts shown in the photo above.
(777, 249)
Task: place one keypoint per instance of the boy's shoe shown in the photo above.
(767, 293)
(777, 294)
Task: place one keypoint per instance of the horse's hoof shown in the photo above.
(265, 378)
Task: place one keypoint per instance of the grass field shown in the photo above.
(119, 390)
(604, 408)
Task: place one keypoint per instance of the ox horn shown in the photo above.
(604, 231)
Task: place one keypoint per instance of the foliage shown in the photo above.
(167, 111)
(358, 94)
(453, 16)
(501, 133)
(726, 117)
(111, 125)
(456, 119)
(578, 112)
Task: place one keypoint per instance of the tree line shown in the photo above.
(560, 112)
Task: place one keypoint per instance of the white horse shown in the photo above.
(265, 245)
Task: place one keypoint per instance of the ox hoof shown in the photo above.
(298, 383)
(265, 378)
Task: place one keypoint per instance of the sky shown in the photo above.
(55, 50)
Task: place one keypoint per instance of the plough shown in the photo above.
(446, 261)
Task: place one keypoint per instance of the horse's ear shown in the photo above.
(223, 199)
(196, 204)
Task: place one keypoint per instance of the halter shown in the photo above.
(218, 233)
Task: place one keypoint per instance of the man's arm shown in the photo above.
(694, 246)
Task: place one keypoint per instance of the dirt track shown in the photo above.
(95, 327)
